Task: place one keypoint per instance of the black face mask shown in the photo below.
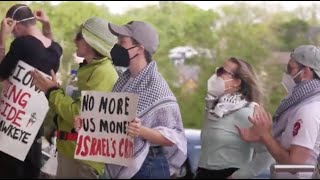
(120, 55)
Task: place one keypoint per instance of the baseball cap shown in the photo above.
(308, 55)
(142, 32)
(94, 33)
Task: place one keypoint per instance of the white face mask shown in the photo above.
(288, 81)
(216, 85)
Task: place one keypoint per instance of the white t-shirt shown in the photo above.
(303, 129)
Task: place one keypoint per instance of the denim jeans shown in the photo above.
(155, 166)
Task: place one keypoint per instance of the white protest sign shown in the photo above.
(23, 108)
(103, 137)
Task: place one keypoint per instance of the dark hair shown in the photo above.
(19, 12)
(250, 88)
(78, 36)
(98, 56)
(147, 55)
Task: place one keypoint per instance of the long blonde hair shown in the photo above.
(250, 88)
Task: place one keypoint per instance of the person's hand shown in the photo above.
(134, 128)
(41, 16)
(7, 26)
(261, 126)
(43, 83)
(77, 123)
(5, 84)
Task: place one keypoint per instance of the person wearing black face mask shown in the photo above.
(121, 55)
(160, 143)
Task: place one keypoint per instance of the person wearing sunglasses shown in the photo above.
(292, 135)
(38, 50)
(233, 91)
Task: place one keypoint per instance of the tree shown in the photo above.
(293, 33)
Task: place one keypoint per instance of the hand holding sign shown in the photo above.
(44, 84)
(77, 123)
(134, 128)
(104, 127)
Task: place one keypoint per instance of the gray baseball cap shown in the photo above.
(308, 55)
(142, 32)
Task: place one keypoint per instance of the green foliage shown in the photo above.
(293, 33)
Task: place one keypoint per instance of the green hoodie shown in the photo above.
(99, 75)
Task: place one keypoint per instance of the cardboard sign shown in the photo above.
(103, 137)
(23, 108)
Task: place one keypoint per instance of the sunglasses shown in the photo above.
(221, 70)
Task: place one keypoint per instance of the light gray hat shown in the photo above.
(96, 33)
(142, 32)
(308, 55)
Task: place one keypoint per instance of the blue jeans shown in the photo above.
(155, 166)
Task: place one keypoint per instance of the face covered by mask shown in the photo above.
(216, 85)
(120, 55)
(288, 81)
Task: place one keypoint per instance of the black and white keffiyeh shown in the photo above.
(157, 109)
(226, 104)
(301, 92)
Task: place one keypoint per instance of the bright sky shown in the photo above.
(122, 6)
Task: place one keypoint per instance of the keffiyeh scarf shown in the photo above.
(157, 109)
(301, 92)
(226, 104)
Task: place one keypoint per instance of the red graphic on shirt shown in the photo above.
(296, 127)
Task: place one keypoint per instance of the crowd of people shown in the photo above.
(239, 139)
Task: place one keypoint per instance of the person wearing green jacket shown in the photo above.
(97, 73)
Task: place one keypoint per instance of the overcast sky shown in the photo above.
(122, 6)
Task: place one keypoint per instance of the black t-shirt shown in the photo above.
(32, 51)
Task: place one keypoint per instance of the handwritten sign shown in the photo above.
(23, 108)
(103, 137)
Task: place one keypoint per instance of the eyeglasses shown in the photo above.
(221, 70)
(79, 36)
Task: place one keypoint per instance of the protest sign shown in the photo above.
(23, 108)
(103, 137)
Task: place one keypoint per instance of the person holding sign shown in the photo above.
(96, 73)
(36, 49)
(159, 141)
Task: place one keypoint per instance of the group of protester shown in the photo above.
(239, 138)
